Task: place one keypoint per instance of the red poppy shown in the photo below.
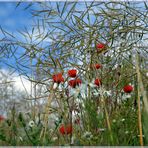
(100, 46)
(98, 82)
(1, 118)
(65, 129)
(72, 73)
(128, 88)
(78, 81)
(75, 82)
(77, 121)
(96, 66)
(58, 78)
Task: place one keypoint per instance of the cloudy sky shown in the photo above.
(14, 19)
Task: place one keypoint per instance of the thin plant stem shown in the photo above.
(139, 107)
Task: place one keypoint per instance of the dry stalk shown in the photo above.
(45, 120)
(141, 91)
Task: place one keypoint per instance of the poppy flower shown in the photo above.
(58, 78)
(98, 82)
(128, 89)
(1, 118)
(77, 121)
(72, 73)
(96, 66)
(65, 129)
(74, 83)
(78, 81)
(100, 46)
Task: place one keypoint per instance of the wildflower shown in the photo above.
(58, 78)
(100, 46)
(77, 121)
(126, 132)
(126, 96)
(114, 121)
(1, 118)
(50, 130)
(142, 136)
(78, 81)
(72, 83)
(75, 82)
(128, 89)
(72, 73)
(55, 85)
(101, 129)
(72, 140)
(21, 139)
(92, 85)
(97, 82)
(87, 135)
(31, 123)
(123, 120)
(55, 138)
(107, 93)
(65, 129)
(96, 66)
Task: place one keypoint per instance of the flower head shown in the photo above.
(31, 123)
(74, 83)
(100, 46)
(58, 78)
(97, 82)
(77, 121)
(65, 129)
(96, 66)
(1, 118)
(88, 135)
(72, 73)
(128, 89)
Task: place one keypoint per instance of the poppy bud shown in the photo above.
(128, 89)
(98, 82)
(72, 73)
(1, 118)
(65, 129)
(100, 46)
(74, 83)
(58, 78)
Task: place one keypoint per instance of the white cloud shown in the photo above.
(20, 83)
(37, 35)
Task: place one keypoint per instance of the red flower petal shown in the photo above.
(96, 66)
(128, 89)
(69, 129)
(77, 121)
(1, 118)
(62, 129)
(72, 73)
(66, 129)
(58, 78)
(100, 46)
(74, 83)
(98, 82)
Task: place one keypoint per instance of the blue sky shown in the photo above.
(12, 18)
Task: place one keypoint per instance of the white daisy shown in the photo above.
(122, 120)
(87, 135)
(55, 85)
(31, 123)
